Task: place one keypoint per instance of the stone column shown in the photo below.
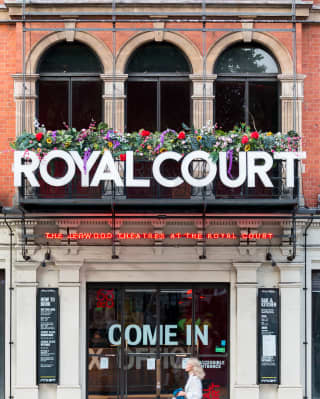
(25, 333)
(25, 102)
(202, 92)
(120, 98)
(69, 286)
(287, 102)
(246, 343)
(291, 340)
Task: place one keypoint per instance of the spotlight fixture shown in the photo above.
(43, 263)
(47, 255)
(26, 257)
(270, 258)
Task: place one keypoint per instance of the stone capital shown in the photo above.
(246, 272)
(290, 273)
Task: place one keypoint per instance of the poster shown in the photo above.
(48, 335)
(268, 336)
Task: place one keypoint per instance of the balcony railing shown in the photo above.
(214, 194)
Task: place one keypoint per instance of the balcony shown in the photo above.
(158, 198)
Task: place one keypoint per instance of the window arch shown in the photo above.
(158, 87)
(69, 89)
(247, 88)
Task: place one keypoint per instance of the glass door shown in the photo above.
(140, 338)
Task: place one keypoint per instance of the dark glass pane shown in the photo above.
(104, 333)
(141, 106)
(175, 105)
(246, 59)
(158, 57)
(315, 336)
(229, 104)
(215, 383)
(86, 103)
(263, 106)
(2, 333)
(53, 103)
(69, 57)
(140, 334)
(211, 320)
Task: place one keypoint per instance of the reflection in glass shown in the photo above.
(103, 341)
(246, 59)
(229, 104)
(158, 58)
(211, 316)
(53, 104)
(263, 105)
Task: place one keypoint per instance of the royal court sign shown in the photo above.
(251, 164)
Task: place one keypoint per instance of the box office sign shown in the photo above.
(48, 336)
(268, 336)
(251, 164)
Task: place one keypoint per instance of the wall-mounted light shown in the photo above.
(270, 258)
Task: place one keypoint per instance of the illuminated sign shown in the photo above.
(251, 164)
(158, 236)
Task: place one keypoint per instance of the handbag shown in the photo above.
(176, 391)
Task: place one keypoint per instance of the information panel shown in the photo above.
(48, 335)
(268, 336)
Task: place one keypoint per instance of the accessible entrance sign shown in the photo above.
(268, 336)
(48, 335)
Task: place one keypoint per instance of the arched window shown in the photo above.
(247, 89)
(70, 89)
(158, 88)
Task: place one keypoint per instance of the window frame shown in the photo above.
(69, 78)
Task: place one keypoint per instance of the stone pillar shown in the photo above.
(291, 340)
(25, 102)
(287, 101)
(120, 98)
(246, 343)
(25, 336)
(202, 92)
(69, 286)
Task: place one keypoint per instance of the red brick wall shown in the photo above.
(311, 112)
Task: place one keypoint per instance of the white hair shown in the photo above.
(197, 368)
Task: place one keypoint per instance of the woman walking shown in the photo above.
(193, 388)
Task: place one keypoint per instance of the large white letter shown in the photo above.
(157, 165)
(148, 337)
(170, 334)
(90, 162)
(27, 168)
(111, 334)
(130, 180)
(203, 337)
(195, 155)
(260, 170)
(101, 174)
(57, 181)
(289, 157)
(223, 170)
(138, 334)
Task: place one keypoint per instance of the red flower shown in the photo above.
(244, 140)
(123, 157)
(181, 135)
(255, 135)
(145, 133)
(39, 136)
